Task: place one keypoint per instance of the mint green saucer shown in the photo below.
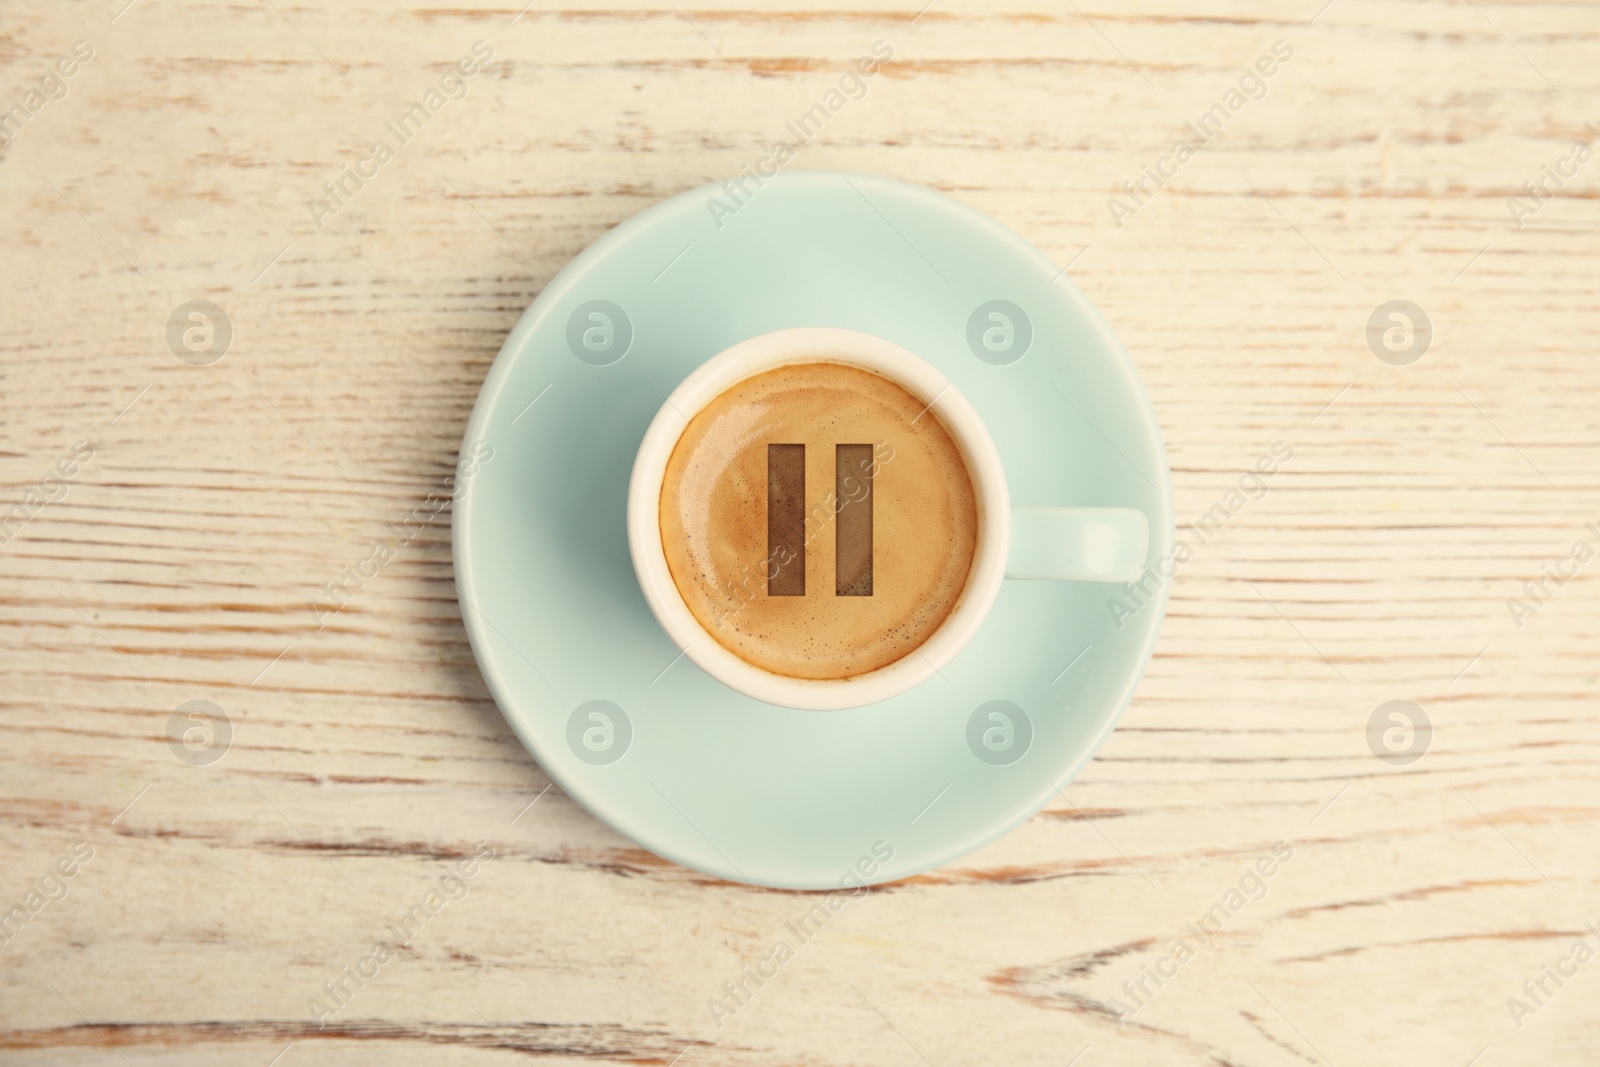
(603, 699)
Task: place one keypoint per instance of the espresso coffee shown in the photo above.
(818, 520)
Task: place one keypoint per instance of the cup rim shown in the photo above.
(809, 344)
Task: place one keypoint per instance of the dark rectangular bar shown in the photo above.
(852, 473)
(786, 520)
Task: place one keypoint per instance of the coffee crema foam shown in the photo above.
(914, 498)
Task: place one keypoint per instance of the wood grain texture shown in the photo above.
(368, 759)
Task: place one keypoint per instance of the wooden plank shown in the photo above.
(187, 557)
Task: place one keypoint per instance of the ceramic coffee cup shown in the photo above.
(1086, 544)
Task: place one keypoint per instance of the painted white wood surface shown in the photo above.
(367, 757)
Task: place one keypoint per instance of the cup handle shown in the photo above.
(1078, 544)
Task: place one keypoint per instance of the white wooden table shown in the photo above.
(180, 560)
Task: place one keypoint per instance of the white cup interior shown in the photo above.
(917, 376)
